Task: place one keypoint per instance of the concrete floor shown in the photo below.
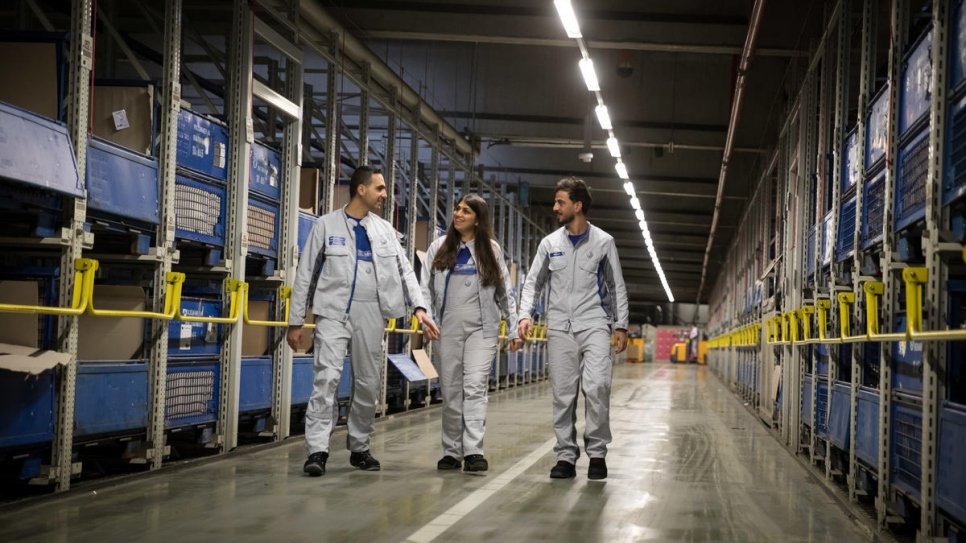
(688, 463)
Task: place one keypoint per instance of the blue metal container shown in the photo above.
(192, 393)
(954, 170)
(306, 222)
(851, 165)
(867, 426)
(121, 183)
(202, 145)
(255, 389)
(263, 227)
(957, 47)
(807, 401)
(873, 198)
(821, 353)
(907, 357)
(200, 211)
(196, 338)
(840, 413)
(877, 129)
(821, 409)
(951, 465)
(303, 377)
(37, 151)
(913, 170)
(915, 81)
(906, 449)
(810, 252)
(111, 398)
(27, 408)
(846, 241)
(265, 174)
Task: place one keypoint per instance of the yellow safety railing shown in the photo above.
(914, 279)
(846, 300)
(235, 292)
(172, 301)
(873, 290)
(805, 314)
(80, 297)
(822, 306)
(540, 333)
(285, 294)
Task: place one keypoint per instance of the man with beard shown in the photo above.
(587, 302)
(357, 276)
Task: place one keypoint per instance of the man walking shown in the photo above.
(587, 301)
(357, 275)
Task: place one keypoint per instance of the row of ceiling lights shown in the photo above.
(569, 19)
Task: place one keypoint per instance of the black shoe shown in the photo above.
(448, 462)
(563, 470)
(597, 469)
(475, 462)
(364, 461)
(315, 465)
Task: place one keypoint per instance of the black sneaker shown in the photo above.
(364, 461)
(563, 470)
(597, 469)
(447, 462)
(315, 465)
(475, 462)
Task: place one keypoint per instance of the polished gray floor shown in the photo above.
(688, 463)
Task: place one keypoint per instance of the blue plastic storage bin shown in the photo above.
(951, 466)
(867, 426)
(121, 183)
(27, 408)
(957, 48)
(845, 241)
(111, 398)
(873, 197)
(954, 171)
(303, 378)
(913, 170)
(907, 359)
(265, 174)
(255, 388)
(37, 151)
(196, 338)
(840, 415)
(202, 145)
(807, 401)
(915, 81)
(877, 129)
(906, 449)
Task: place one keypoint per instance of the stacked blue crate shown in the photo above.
(264, 205)
(810, 252)
(867, 426)
(201, 195)
(847, 208)
(821, 408)
(913, 159)
(951, 471)
(906, 449)
(954, 171)
(807, 401)
(873, 189)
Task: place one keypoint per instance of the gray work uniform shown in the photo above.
(351, 299)
(587, 299)
(469, 319)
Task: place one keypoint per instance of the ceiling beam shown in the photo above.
(557, 119)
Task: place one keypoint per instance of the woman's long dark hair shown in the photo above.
(487, 266)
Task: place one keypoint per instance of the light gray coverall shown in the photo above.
(469, 317)
(351, 301)
(587, 299)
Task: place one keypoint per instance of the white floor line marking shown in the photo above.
(454, 514)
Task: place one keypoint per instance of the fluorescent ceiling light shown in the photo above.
(590, 76)
(639, 214)
(603, 117)
(621, 170)
(643, 226)
(613, 147)
(629, 188)
(635, 203)
(567, 16)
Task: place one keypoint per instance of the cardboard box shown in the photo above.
(112, 338)
(124, 115)
(19, 328)
(34, 87)
(29, 360)
(255, 338)
(422, 235)
(309, 191)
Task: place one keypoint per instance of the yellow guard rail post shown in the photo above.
(873, 290)
(80, 297)
(914, 279)
(172, 301)
(235, 290)
(285, 293)
(822, 306)
(805, 314)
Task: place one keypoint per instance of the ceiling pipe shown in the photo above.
(746, 55)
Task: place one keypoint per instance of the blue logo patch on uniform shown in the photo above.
(556, 253)
(337, 240)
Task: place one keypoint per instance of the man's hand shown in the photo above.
(525, 328)
(430, 330)
(620, 340)
(515, 345)
(294, 337)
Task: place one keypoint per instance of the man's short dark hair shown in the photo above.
(362, 176)
(577, 191)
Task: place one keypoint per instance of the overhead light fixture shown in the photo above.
(621, 170)
(629, 188)
(613, 147)
(590, 76)
(639, 214)
(568, 18)
(635, 203)
(603, 117)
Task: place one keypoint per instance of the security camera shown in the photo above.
(585, 156)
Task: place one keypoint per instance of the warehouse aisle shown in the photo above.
(688, 463)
